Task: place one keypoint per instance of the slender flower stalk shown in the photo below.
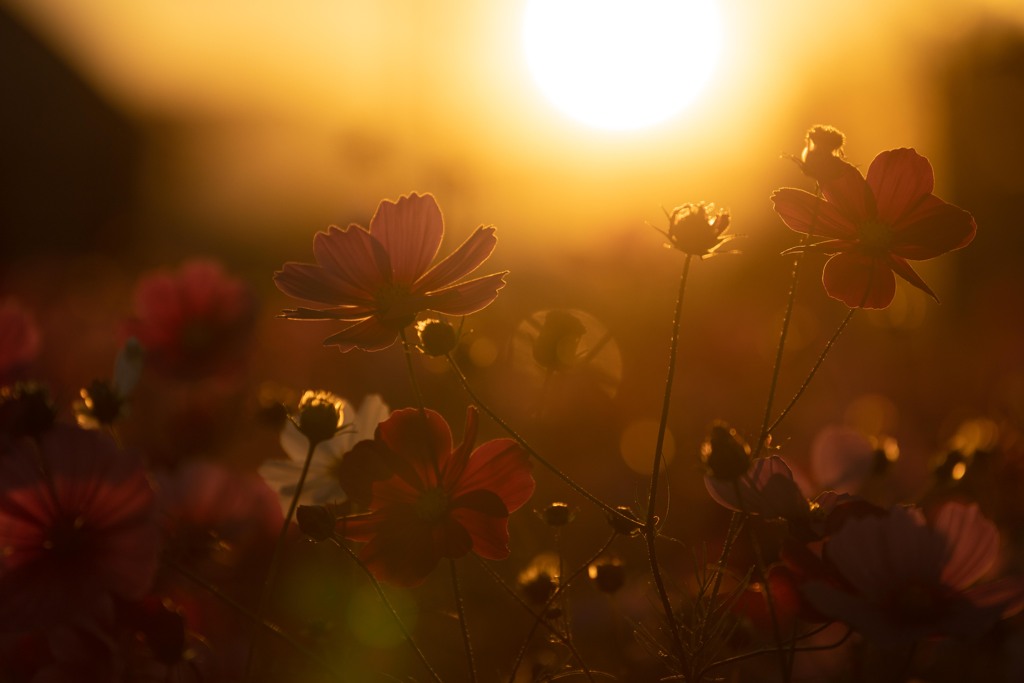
(650, 525)
(460, 607)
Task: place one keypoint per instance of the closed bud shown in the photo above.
(101, 405)
(724, 453)
(437, 338)
(625, 523)
(608, 574)
(822, 156)
(321, 415)
(697, 229)
(557, 514)
(539, 581)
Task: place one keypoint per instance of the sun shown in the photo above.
(621, 64)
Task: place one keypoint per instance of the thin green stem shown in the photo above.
(251, 616)
(814, 370)
(527, 447)
(461, 609)
(650, 525)
(777, 367)
(275, 559)
(391, 609)
(666, 400)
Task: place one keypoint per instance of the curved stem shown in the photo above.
(528, 448)
(275, 559)
(814, 370)
(461, 608)
(391, 608)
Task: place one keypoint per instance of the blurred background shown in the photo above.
(136, 136)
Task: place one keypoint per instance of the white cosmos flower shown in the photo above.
(321, 486)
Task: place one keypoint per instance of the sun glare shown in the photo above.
(621, 64)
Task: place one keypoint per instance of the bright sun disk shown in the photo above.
(621, 64)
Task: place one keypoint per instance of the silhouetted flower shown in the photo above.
(724, 452)
(192, 322)
(697, 229)
(77, 527)
(377, 280)
(875, 225)
(323, 483)
(906, 577)
(440, 502)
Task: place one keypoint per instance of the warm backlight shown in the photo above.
(621, 64)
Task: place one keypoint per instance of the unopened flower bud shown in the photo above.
(557, 514)
(101, 405)
(822, 156)
(724, 453)
(321, 415)
(539, 581)
(316, 521)
(437, 337)
(608, 574)
(622, 525)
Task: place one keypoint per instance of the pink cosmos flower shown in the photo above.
(377, 280)
(77, 527)
(904, 577)
(875, 225)
(192, 322)
(439, 502)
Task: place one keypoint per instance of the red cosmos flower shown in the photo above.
(77, 527)
(875, 225)
(439, 501)
(904, 577)
(191, 323)
(378, 280)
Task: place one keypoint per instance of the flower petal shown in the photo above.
(502, 467)
(489, 534)
(903, 269)
(972, 542)
(410, 231)
(900, 180)
(932, 229)
(417, 441)
(466, 297)
(313, 283)
(355, 257)
(859, 280)
(850, 194)
(461, 262)
(803, 212)
(367, 335)
(401, 547)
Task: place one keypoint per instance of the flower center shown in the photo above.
(394, 305)
(875, 236)
(67, 538)
(432, 506)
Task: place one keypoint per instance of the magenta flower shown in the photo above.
(875, 225)
(77, 527)
(904, 577)
(440, 501)
(377, 280)
(192, 322)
